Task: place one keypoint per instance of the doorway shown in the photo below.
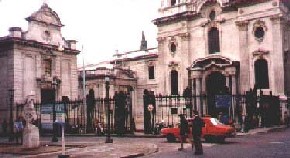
(215, 85)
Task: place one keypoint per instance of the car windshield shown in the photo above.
(215, 121)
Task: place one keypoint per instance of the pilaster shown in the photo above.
(276, 73)
(244, 55)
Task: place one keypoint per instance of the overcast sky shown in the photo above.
(101, 26)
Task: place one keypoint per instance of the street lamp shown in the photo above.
(11, 98)
(107, 102)
(54, 129)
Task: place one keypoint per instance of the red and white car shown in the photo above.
(213, 130)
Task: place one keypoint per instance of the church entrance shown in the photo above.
(215, 85)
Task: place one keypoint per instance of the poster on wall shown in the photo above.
(47, 115)
(223, 101)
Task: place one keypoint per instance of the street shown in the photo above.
(272, 144)
(268, 145)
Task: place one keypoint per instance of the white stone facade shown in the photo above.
(247, 32)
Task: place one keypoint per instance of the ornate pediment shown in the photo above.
(217, 61)
(45, 15)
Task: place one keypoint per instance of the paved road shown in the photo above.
(267, 145)
(276, 144)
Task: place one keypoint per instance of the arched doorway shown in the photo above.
(215, 85)
(174, 82)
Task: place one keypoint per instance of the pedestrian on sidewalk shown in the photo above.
(197, 124)
(18, 127)
(183, 130)
(286, 119)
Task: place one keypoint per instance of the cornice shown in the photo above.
(31, 43)
(187, 15)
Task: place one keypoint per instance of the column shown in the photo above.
(234, 85)
(233, 93)
(203, 89)
(193, 93)
(228, 81)
(198, 94)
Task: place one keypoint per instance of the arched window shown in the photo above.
(261, 74)
(174, 82)
(213, 41)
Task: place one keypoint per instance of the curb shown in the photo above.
(117, 136)
(133, 155)
(272, 129)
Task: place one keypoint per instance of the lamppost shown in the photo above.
(54, 129)
(11, 98)
(107, 102)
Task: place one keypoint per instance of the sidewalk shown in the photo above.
(79, 148)
(261, 130)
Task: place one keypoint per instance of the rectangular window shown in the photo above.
(151, 72)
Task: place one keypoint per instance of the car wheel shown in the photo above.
(170, 138)
(208, 138)
(220, 139)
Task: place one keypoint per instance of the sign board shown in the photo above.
(59, 113)
(223, 101)
(150, 107)
(47, 115)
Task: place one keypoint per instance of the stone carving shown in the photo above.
(31, 132)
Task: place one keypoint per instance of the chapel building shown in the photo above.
(39, 62)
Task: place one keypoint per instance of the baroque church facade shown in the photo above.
(37, 62)
(213, 47)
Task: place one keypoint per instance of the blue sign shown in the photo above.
(223, 101)
(59, 108)
(47, 115)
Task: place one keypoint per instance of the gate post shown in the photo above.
(283, 106)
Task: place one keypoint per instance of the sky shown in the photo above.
(100, 26)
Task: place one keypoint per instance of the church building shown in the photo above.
(216, 46)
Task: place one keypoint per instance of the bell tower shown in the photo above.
(143, 45)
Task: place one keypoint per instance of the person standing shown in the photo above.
(286, 119)
(183, 130)
(18, 126)
(197, 124)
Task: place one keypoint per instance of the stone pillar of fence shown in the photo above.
(283, 107)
